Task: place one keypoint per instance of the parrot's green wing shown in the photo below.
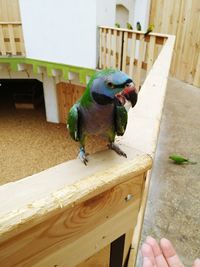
(120, 119)
(73, 122)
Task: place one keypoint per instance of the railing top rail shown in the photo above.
(137, 32)
(10, 22)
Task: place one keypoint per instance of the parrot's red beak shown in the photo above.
(128, 94)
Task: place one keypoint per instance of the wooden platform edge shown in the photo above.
(19, 220)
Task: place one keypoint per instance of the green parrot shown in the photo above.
(101, 109)
(138, 26)
(181, 160)
(129, 26)
(117, 25)
(149, 29)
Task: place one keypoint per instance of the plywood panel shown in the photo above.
(9, 10)
(77, 232)
(181, 18)
(68, 94)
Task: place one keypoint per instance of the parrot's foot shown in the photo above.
(83, 156)
(114, 147)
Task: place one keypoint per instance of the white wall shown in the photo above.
(138, 11)
(141, 13)
(64, 31)
(105, 12)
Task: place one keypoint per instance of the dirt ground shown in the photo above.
(29, 144)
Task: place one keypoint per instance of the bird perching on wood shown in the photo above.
(138, 26)
(101, 109)
(149, 29)
(129, 26)
(117, 25)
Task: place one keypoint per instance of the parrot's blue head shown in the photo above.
(112, 85)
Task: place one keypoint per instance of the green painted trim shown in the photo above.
(65, 69)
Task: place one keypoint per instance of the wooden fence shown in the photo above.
(129, 51)
(181, 18)
(11, 37)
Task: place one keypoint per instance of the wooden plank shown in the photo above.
(95, 240)
(132, 54)
(22, 47)
(119, 50)
(100, 259)
(109, 48)
(44, 241)
(104, 46)
(2, 43)
(10, 23)
(150, 58)
(139, 63)
(138, 228)
(125, 50)
(12, 39)
(100, 47)
(114, 49)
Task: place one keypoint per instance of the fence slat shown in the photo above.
(22, 48)
(132, 54)
(120, 50)
(125, 51)
(151, 49)
(12, 39)
(100, 47)
(104, 48)
(139, 62)
(114, 49)
(2, 43)
(109, 48)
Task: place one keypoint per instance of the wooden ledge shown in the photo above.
(23, 212)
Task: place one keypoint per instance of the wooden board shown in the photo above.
(181, 18)
(11, 36)
(100, 210)
(68, 94)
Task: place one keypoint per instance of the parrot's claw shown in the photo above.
(117, 149)
(83, 156)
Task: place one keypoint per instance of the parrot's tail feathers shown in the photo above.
(192, 162)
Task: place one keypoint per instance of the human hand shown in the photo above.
(161, 255)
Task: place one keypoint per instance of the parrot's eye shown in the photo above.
(111, 85)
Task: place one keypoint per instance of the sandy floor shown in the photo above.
(29, 144)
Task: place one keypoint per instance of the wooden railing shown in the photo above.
(11, 39)
(129, 51)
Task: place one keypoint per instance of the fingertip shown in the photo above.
(147, 262)
(150, 239)
(197, 263)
